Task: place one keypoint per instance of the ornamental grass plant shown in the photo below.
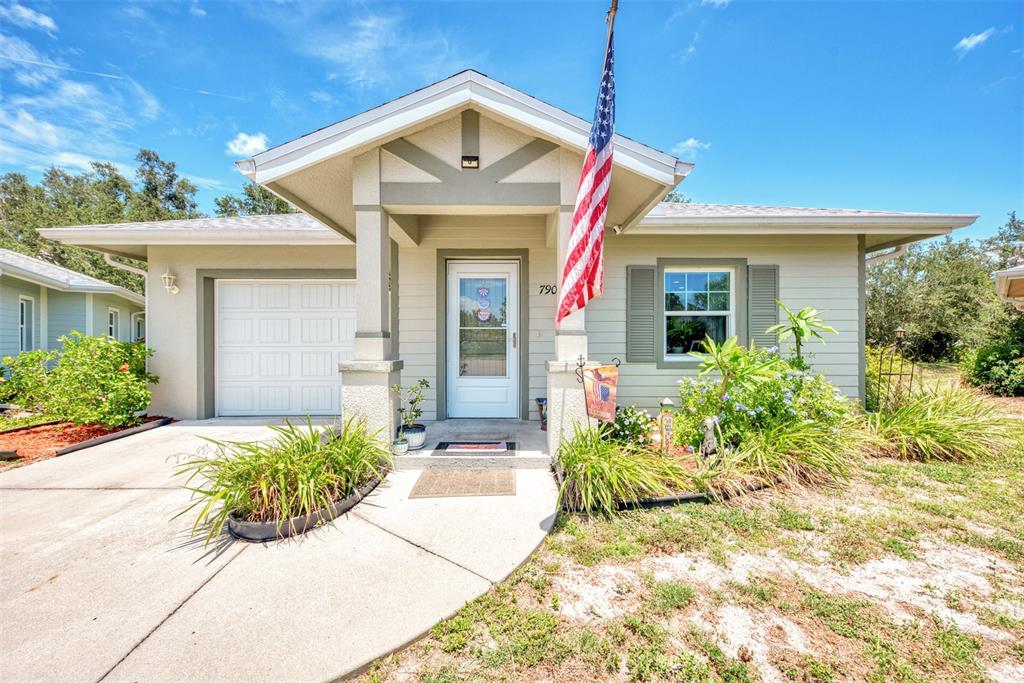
(945, 422)
(302, 471)
(599, 474)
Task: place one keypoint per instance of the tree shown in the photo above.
(162, 193)
(802, 325)
(1007, 245)
(941, 293)
(256, 200)
(100, 195)
(676, 197)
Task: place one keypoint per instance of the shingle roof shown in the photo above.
(691, 210)
(283, 221)
(64, 278)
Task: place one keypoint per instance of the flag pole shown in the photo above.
(611, 17)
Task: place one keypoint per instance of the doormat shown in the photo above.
(475, 448)
(453, 483)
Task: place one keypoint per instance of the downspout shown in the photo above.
(109, 260)
(888, 256)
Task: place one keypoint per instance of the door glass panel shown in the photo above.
(483, 327)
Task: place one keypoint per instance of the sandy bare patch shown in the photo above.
(598, 593)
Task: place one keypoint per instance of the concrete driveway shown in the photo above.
(97, 582)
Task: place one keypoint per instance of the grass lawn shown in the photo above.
(914, 572)
(15, 422)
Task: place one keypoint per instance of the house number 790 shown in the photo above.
(547, 289)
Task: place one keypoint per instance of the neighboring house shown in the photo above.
(1010, 286)
(431, 247)
(41, 302)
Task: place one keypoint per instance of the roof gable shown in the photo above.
(57, 277)
(468, 88)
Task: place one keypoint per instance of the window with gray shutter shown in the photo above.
(762, 303)
(641, 313)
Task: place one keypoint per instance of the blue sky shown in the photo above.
(881, 105)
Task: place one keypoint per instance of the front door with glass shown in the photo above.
(482, 346)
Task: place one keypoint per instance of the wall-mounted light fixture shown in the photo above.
(169, 282)
(470, 162)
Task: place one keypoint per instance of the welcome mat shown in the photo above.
(453, 483)
(496, 447)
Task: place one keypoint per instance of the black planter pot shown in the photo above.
(260, 532)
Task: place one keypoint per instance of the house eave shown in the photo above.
(87, 237)
(465, 89)
(59, 285)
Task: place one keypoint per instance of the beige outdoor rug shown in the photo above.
(449, 483)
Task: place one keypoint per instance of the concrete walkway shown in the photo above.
(97, 582)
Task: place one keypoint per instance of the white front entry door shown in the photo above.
(278, 344)
(483, 339)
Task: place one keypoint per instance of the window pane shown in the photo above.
(718, 282)
(483, 302)
(675, 282)
(696, 282)
(684, 334)
(482, 352)
(697, 301)
(718, 301)
(674, 302)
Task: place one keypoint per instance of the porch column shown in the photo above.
(367, 379)
(566, 403)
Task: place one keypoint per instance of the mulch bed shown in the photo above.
(38, 443)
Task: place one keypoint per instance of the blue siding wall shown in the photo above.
(102, 302)
(10, 289)
(65, 312)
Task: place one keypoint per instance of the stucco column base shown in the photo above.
(567, 405)
(366, 394)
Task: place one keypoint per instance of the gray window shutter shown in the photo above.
(762, 303)
(641, 313)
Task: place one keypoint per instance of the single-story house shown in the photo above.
(41, 302)
(429, 246)
(1010, 286)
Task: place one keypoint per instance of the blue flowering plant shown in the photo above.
(755, 391)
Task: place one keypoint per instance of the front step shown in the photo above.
(423, 462)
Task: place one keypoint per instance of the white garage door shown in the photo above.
(278, 344)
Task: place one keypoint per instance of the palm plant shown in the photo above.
(802, 325)
(736, 364)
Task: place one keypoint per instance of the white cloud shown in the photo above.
(205, 183)
(325, 98)
(49, 115)
(26, 17)
(195, 10)
(368, 50)
(716, 3)
(245, 145)
(689, 147)
(968, 43)
(691, 49)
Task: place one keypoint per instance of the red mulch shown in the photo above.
(44, 441)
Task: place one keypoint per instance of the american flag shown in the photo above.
(583, 273)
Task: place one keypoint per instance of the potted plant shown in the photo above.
(408, 428)
(400, 445)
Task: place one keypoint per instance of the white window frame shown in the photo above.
(135, 319)
(730, 315)
(26, 344)
(114, 323)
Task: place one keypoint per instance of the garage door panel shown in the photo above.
(275, 364)
(278, 345)
(275, 296)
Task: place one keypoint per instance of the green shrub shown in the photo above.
(945, 423)
(788, 396)
(99, 380)
(998, 367)
(301, 471)
(894, 385)
(597, 474)
(26, 379)
(632, 427)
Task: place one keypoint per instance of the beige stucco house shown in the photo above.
(429, 246)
